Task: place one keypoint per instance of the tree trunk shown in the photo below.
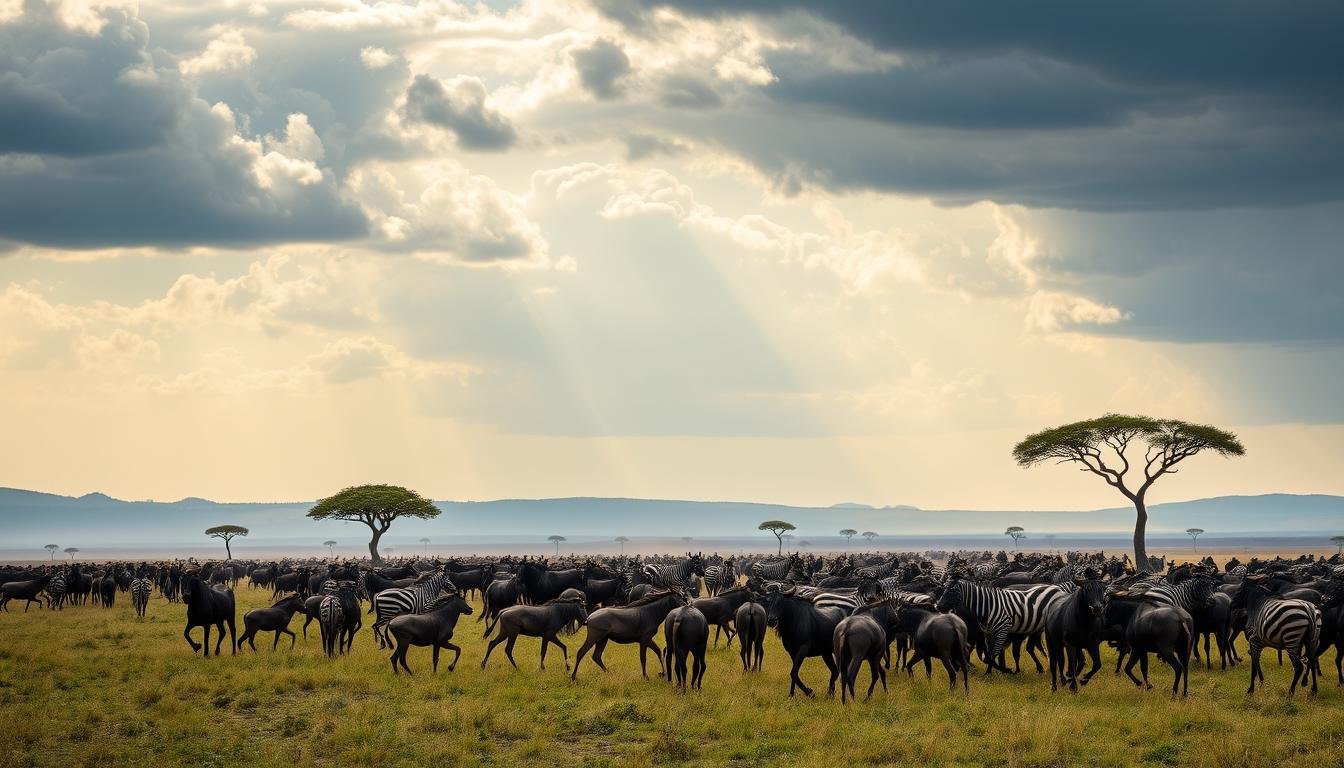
(780, 538)
(1140, 529)
(228, 551)
(373, 545)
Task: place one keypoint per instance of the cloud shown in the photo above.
(602, 67)
(375, 57)
(689, 92)
(105, 147)
(229, 51)
(459, 105)
(639, 146)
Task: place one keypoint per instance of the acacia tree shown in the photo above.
(1193, 533)
(1017, 533)
(556, 539)
(72, 551)
(51, 549)
(849, 534)
(621, 540)
(330, 544)
(375, 506)
(228, 533)
(1339, 542)
(779, 528)
(1102, 446)
(425, 541)
(869, 535)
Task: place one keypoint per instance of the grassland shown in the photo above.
(94, 687)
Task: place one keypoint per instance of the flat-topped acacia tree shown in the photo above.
(375, 506)
(1102, 446)
(227, 533)
(779, 528)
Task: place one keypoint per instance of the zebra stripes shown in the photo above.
(675, 576)
(773, 570)
(1292, 626)
(417, 598)
(1000, 612)
(56, 591)
(890, 588)
(331, 620)
(720, 577)
(141, 588)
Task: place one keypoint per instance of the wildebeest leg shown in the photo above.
(491, 647)
(233, 637)
(698, 669)
(563, 649)
(1255, 666)
(829, 658)
(292, 638)
(1169, 656)
(597, 653)
(544, 642)
(1143, 665)
(400, 654)
(951, 673)
(219, 627)
(915, 657)
(1033, 645)
(1094, 651)
(1129, 669)
(187, 634)
(875, 668)
(657, 654)
(578, 657)
(205, 643)
(434, 655)
(309, 620)
(796, 682)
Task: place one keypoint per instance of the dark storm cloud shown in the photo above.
(459, 106)
(601, 67)
(101, 145)
(1098, 106)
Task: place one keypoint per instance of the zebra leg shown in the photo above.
(995, 640)
(1297, 670)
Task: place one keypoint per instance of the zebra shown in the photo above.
(677, 575)
(1189, 595)
(1292, 626)
(843, 599)
(720, 577)
(56, 591)
(890, 588)
(1000, 612)
(141, 588)
(416, 598)
(331, 620)
(774, 570)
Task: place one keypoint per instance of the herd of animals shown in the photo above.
(847, 610)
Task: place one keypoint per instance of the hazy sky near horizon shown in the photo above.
(805, 251)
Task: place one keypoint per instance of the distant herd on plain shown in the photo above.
(958, 609)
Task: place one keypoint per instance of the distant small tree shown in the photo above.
(375, 506)
(228, 533)
(51, 549)
(778, 528)
(556, 539)
(869, 535)
(1193, 533)
(72, 551)
(1339, 543)
(330, 544)
(849, 534)
(622, 540)
(1102, 447)
(425, 541)
(1017, 533)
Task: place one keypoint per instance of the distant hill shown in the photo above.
(29, 519)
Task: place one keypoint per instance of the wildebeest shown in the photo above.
(685, 632)
(497, 596)
(1165, 630)
(28, 591)
(857, 639)
(541, 584)
(750, 623)
(1073, 625)
(433, 628)
(637, 622)
(546, 621)
(721, 609)
(933, 635)
(208, 607)
(805, 631)
(273, 619)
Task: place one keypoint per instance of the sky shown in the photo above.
(798, 251)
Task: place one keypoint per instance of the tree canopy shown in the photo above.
(779, 528)
(227, 533)
(1102, 447)
(869, 535)
(1017, 533)
(375, 506)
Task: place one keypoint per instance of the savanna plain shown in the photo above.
(88, 686)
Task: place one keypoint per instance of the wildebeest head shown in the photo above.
(950, 598)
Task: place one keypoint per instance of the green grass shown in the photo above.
(86, 686)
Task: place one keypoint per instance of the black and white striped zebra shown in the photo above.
(843, 599)
(331, 620)
(56, 591)
(141, 589)
(417, 598)
(675, 576)
(774, 570)
(1292, 626)
(1000, 612)
(889, 589)
(720, 577)
(1189, 595)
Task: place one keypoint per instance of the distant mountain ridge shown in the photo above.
(31, 518)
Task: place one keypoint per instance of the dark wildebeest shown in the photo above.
(750, 623)
(433, 628)
(107, 591)
(208, 607)
(29, 591)
(932, 635)
(1214, 618)
(857, 639)
(547, 621)
(805, 631)
(638, 592)
(497, 596)
(637, 622)
(274, 619)
(685, 631)
(1167, 631)
(541, 584)
(720, 610)
(1073, 625)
